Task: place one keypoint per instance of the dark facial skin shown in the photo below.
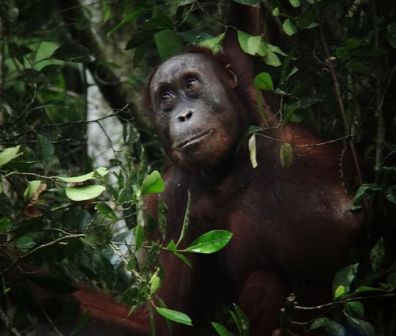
(196, 120)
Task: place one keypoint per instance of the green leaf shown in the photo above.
(275, 11)
(390, 194)
(174, 315)
(210, 242)
(248, 2)
(339, 292)
(153, 183)
(139, 37)
(168, 43)
(84, 193)
(130, 17)
(240, 320)
(9, 154)
(345, 277)
(286, 155)
(5, 223)
(220, 329)
(101, 171)
(363, 327)
(365, 289)
(106, 211)
(31, 189)
(263, 81)
(252, 45)
(289, 27)
(331, 327)
(354, 308)
(276, 49)
(295, 3)
(155, 283)
(272, 59)
(171, 246)
(252, 150)
(138, 234)
(213, 44)
(72, 52)
(151, 27)
(367, 188)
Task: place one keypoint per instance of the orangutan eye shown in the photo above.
(167, 99)
(192, 86)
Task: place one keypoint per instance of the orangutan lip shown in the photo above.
(194, 139)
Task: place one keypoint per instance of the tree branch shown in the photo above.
(115, 93)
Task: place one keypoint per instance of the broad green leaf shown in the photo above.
(275, 11)
(295, 3)
(130, 17)
(252, 151)
(220, 329)
(365, 188)
(354, 308)
(31, 189)
(365, 289)
(252, 45)
(263, 81)
(240, 320)
(101, 171)
(289, 27)
(390, 194)
(272, 59)
(363, 327)
(331, 327)
(174, 315)
(286, 155)
(138, 234)
(84, 193)
(9, 154)
(210, 242)
(276, 49)
(345, 277)
(248, 2)
(155, 283)
(171, 246)
(213, 44)
(153, 183)
(168, 43)
(5, 223)
(139, 37)
(150, 27)
(339, 292)
(72, 52)
(106, 211)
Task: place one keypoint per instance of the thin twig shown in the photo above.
(350, 299)
(337, 92)
(40, 247)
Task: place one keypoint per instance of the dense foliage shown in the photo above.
(332, 64)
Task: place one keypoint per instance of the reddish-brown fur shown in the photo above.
(292, 227)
